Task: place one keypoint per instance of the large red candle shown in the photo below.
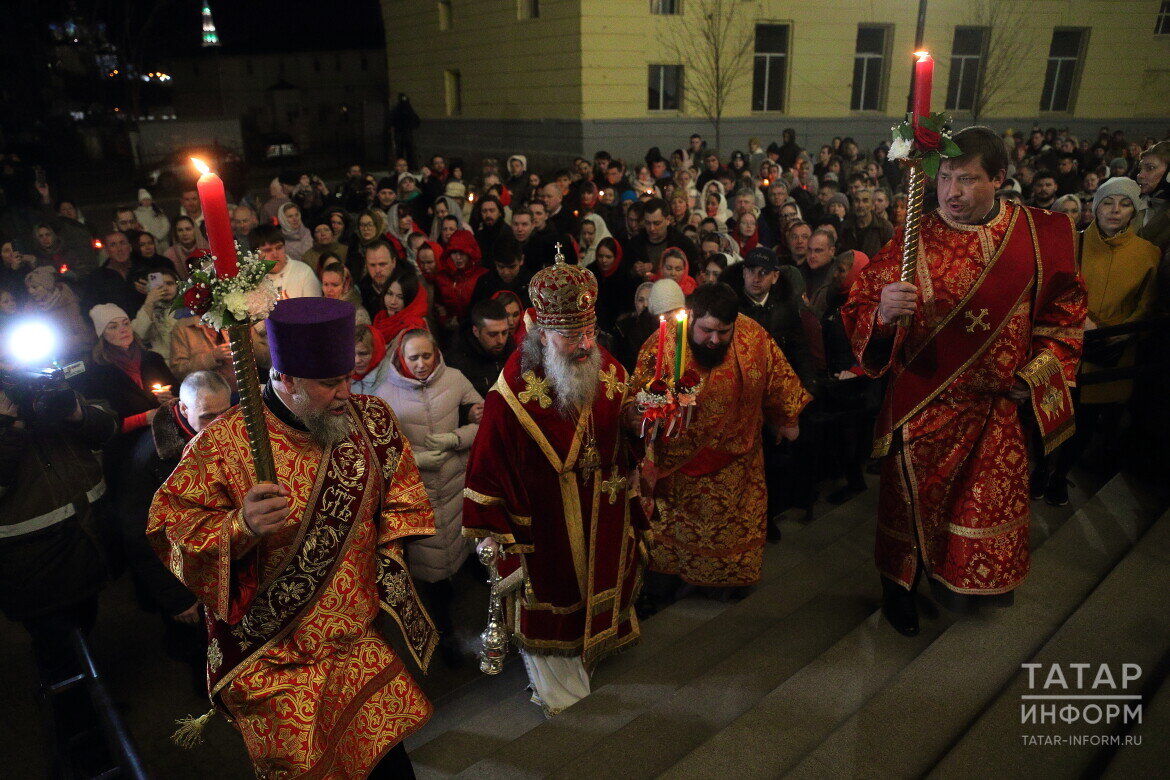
(213, 199)
(923, 80)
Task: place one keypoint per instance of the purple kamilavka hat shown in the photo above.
(312, 338)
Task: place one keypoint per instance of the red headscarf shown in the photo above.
(617, 258)
(687, 282)
(437, 249)
(412, 316)
(376, 355)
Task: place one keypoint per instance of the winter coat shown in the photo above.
(432, 407)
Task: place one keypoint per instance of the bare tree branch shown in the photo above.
(715, 49)
(1006, 42)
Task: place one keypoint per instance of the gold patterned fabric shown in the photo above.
(710, 494)
(325, 695)
(954, 487)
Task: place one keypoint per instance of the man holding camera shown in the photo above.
(52, 556)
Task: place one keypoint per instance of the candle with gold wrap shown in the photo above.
(680, 349)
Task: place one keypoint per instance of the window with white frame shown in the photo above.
(869, 66)
(1064, 60)
(665, 92)
(770, 67)
(966, 62)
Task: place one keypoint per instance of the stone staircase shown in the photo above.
(803, 677)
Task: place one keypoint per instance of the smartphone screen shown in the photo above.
(154, 280)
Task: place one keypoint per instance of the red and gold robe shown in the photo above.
(294, 661)
(710, 493)
(993, 299)
(569, 523)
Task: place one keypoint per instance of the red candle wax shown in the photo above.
(661, 347)
(213, 199)
(923, 80)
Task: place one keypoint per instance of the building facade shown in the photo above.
(564, 77)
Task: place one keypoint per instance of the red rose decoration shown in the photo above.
(659, 387)
(927, 140)
(690, 378)
(198, 298)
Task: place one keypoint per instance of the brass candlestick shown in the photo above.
(248, 383)
(913, 225)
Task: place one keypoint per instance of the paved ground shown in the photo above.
(152, 691)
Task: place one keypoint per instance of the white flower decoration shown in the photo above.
(899, 149)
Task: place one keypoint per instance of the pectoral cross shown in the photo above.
(611, 382)
(978, 320)
(613, 486)
(535, 389)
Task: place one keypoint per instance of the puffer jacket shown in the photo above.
(432, 407)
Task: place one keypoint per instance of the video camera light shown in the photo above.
(32, 343)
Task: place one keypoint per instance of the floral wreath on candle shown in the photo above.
(926, 142)
(247, 297)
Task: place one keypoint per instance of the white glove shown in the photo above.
(442, 441)
(430, 460)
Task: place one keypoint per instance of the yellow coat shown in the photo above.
(1120, 273)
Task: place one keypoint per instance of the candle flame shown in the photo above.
(681, 316)
(661, 318)
(922, 56)
(202, 166)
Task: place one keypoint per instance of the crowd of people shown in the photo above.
(438, 266)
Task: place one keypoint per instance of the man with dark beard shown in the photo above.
(292, 575)
(710, 491)
(548, 486)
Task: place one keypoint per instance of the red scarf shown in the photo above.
(413, 316)
(128, 360)
(376, 354)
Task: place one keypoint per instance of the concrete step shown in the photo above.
(497, 710)
(1125, 620)
(912, 722)
(845, 546)
(1146, 753)
(772, 736)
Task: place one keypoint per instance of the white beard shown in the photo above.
(574, 383)
(325, 428)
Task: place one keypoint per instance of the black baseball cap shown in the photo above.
(762, 257)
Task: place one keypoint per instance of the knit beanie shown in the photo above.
(103, 314)
(1118, 185)
(144, 195)
(43, 276)
(666, 296)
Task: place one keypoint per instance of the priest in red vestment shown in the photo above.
(293, 575)
(708, 480)
(548, 484)
(997, 313)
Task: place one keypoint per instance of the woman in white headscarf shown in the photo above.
(443, 207)
(297, 238)
(593, 229)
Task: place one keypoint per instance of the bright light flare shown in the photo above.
(32, 343)
(922, 56)
(201, 166)
(681, 315)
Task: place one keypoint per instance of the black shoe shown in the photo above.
(1038, 482)
(898, 608)
(840, 496)
(773, 532)
(450, 651)
(1057, 491)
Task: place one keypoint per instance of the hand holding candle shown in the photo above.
(161, 392)
(217, 221)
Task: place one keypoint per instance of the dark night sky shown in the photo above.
(285, 25)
